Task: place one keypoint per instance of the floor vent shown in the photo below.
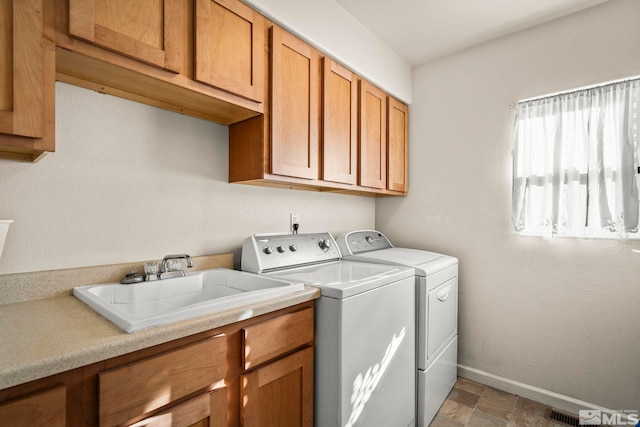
(561, 417)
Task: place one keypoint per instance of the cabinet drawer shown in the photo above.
(269, 339)
(130, 391)
(46, 408)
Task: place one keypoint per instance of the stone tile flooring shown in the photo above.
(471, 404)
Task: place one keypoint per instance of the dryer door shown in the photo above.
(443, 316)
(437, 313)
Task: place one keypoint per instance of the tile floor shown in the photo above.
(475, 405)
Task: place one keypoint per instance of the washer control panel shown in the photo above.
(363, 241)
(268, 252)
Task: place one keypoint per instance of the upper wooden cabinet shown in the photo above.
(147, 30)
(229, 42)
(339, 123)
(318, 132)
(398, 141)
(195, 57)
(297, 119)
(373, 136)
(283, 145)
(295, 82)
(27, 79)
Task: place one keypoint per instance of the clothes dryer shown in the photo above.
(436, 282)
(364, 373)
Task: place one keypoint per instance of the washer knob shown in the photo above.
(281, 249)
(268, 250)
(369, 240)
(324, 244)
(293, 248)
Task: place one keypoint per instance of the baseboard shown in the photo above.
(555, 400)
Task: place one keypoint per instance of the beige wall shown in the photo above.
(131, 182)
(562, 315)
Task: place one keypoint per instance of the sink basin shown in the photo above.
(148, 304)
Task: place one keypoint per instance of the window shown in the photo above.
(575, 163)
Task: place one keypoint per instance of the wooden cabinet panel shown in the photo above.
(135, 389)
(373, 136)
(266, 340)
(295, 82)
(150, 31)
(205, 410)
(27, 79)
(229, 44)
(339, 124)
(47, 408)
(280, 393)
(397, 154)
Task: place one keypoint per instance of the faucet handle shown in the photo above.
(174, 265)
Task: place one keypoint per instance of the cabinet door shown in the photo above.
(397, 155)
(27, 78)
(339, 123)
(47, 408)
(229, 43)
(280, 393)
(295, 82)
(373, 136)
(150, 31)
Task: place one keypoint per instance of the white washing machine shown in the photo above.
(364, 371)
(437, 311)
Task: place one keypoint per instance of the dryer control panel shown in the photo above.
(266, 252)
(361, 241)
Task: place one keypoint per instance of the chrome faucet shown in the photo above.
(164, 269)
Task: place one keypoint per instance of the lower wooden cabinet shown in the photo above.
(46, 408)
(276, 390)
(209, 379)
(280, 393)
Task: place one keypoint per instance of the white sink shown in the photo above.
(148, 304)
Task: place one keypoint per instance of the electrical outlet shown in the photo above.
(293, 219)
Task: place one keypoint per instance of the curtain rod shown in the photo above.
(570, 91)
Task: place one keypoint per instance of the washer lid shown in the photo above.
(342, 279)
(424, 262)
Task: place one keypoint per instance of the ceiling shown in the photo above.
(423, 30)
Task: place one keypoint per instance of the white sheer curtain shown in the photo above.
(575, 163)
